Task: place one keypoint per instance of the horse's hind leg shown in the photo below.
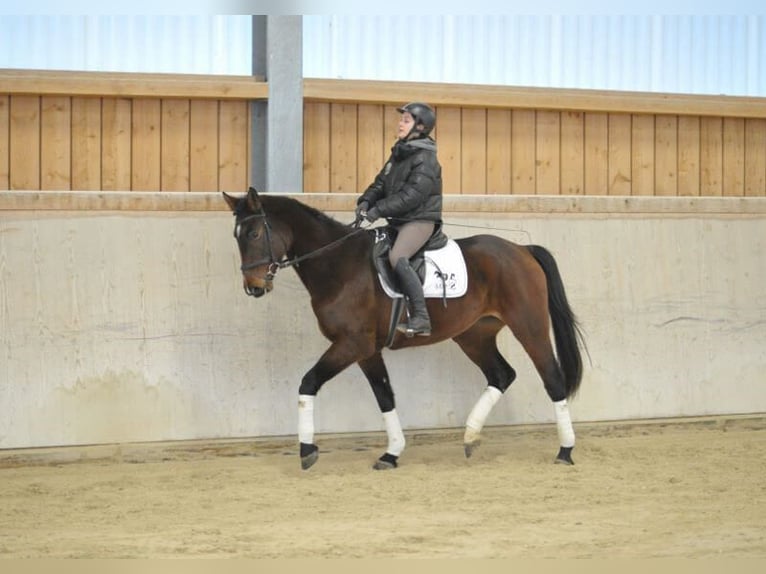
(536, 342)
(479, 344)
(375, 370)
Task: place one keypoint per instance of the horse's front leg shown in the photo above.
(375, 370)
(333, 361)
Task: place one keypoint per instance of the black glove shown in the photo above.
(372, 214)
(361, 210)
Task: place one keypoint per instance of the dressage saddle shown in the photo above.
(385, 238)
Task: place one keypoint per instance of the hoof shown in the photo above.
(565, 456)
(309, 455)
(469, 447)
(386, 462)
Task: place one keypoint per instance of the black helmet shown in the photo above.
(422, 114)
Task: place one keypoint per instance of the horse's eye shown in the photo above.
(253, 234)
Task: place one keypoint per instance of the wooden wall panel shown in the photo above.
(5, 129)
(688, 155)
(370, 150)
(642, 144)
(145, 126)
(733, 157)
(548, 153)
(755, 157)
(449, 148)
(711, 156)
(498, 151)
(55, 142)
(116, 144)
(234, 151)
(572, 153)
(501, 144)
(316, 147)
(596, 149)
(666, 155)
(619, 154)
(473, 151)
(86, 144)
(343, 138)
(203, 145)
(175, 141)
(523, 151)
(391, 129)
(24, 156)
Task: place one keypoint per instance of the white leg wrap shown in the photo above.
(480, 412)
(306, 419)
(394, 430)
(564, 424)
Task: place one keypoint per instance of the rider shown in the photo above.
(408, 193)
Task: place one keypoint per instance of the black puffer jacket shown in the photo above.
(409, 187)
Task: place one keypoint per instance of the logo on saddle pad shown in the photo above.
(442, 272)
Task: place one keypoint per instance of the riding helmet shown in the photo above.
(422, 114)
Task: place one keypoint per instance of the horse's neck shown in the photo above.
(310, 236)
(298, 228)
(326, 256)
(302, 229)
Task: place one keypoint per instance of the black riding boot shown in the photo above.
(419, 322)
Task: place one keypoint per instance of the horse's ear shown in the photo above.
(253, 201)
(231, 200)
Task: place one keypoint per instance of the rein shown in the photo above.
(295, 260)
(275, 265)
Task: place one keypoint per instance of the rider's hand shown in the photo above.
(361, 210)
(372, 215)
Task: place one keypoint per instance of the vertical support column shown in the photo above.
(259, 109)
(277, 124)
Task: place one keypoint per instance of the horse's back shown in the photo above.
(485, 240)
(486, 245)
(490, 256)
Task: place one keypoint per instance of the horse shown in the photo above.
(512, 285)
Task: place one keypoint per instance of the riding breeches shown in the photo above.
(411, 237)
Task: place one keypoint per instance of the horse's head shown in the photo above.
(260, 258)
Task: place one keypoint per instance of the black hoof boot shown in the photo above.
(565, 456)
(386, 462)
(309, 455)
(470, 447)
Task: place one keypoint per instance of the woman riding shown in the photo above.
(408, 193)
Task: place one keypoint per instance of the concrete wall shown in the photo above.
(131, 324)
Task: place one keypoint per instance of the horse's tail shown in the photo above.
(566, 330)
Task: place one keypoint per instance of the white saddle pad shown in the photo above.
(445, 275)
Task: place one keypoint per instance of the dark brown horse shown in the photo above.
(508, 284)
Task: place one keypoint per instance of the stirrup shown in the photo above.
(410, 332)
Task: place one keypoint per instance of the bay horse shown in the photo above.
(508, 284)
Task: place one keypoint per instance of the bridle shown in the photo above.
(275, 264)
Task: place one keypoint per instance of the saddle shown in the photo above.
(439, 264)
